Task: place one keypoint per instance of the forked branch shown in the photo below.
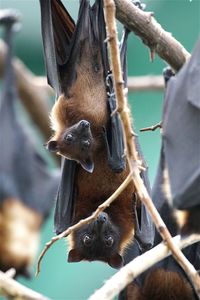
(127, 274)
(132, 155)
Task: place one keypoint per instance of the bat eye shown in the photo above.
(69, 137)
(87, 240)
(109, 241)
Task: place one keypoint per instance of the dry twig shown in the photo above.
(82, 222)
(13, 289)
(152, 128)
(152, 34)
(128, 273)
(132, 156)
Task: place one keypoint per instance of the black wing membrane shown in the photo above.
(181, 133)
(63, 43)
(23, 172)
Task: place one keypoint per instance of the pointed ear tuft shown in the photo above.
(52, 146)
(74, 256)
(115, 261)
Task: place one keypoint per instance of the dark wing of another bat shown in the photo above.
(57, 29)
(181, 133)
(23, 172)
(114, 134)
(65, 197)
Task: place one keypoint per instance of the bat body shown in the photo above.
(20, 235)
(85, 99)
(83, 83)
(181, 146)
(165, 280)
(27, 188)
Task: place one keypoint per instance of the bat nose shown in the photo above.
(102, 218)
(84, 124)
(52, 146)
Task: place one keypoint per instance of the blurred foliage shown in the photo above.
(58, 279)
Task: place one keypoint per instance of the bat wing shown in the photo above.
(56, 39)
(181, 127)
(64, 201)
(145, 229)
(23, 172)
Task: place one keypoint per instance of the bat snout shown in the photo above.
(84, 124)
(52, 146)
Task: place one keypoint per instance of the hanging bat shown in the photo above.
(27, 188)
(165, 280)
(94, 165)
(181, 121)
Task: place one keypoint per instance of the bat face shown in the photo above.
(75, 143)
(97, 241)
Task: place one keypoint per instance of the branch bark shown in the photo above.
(13, 289)
(132, 156)
(152, 34)
(137, 266)
(145, 83)
(32, 92)
(82, 222)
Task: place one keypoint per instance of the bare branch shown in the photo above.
(145, 83)
(132, 155)
(137, 266)
(13, 289)
(82, 222)
(152, 34)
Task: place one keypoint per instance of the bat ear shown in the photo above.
(87, 165)
(74, 256)
(52, 146)
(115, 261)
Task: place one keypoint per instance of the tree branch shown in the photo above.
(32, 93)
(152, 34)
(137, 266)
(145, 83)
(132, 155)
(82, 222)
(13, 289)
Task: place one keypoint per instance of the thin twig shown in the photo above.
(13, 289)
(132, 155)
(151, 33)
(82, 222)
(128, 273)
(152, 128)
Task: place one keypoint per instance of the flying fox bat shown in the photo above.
(26, 186)
(165, 280)
(94, 165)
(181, 146)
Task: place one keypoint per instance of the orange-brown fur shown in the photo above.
(95, 188)
(161, 285)
(19, 234)
(86, 99)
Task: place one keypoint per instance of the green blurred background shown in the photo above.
(58, 279)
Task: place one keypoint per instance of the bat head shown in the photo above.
(98, 240)
(75, 143)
